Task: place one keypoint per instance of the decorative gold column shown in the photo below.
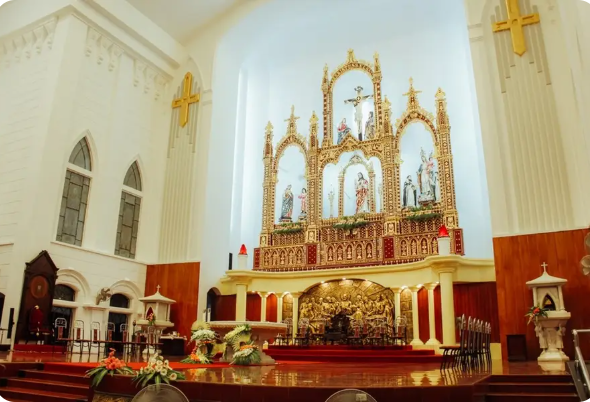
(431, 317)
(445, 162)
(415, 317)
(372, 191)
(263, 296)
(341, 194)
(314, 199)
(268, 194)
(296, 312)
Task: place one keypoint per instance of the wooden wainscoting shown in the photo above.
(518, 259)
(179, 282)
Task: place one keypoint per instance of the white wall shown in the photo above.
(436, 54)
(74, 75)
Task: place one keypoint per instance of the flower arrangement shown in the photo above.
(288, 228)
(203, 336)
(196, 357)
(534, 313)
(351, 222)
(238, 335)
(422, 213)
(151, 319)
(157, 371)
(110, 365)
(247, 355)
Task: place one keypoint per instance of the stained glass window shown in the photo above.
(72, 214)
(129, 209)
(63, 292)
(119, 300)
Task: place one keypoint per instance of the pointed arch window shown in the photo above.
(74, 201)
(129, 211)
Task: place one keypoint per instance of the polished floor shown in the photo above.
(314, 374)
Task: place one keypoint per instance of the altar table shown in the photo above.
(261, 332)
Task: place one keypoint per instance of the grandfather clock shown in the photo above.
(38, 287)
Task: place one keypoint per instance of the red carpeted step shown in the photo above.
(539, 397)
(46, 385)
(11, 393)
(55, 376)
(348, 358)
(352, 352)
(534, 388)
(39, 348)
(69, 368)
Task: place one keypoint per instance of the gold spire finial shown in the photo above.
(412, 98)
(351, 55)
(314, 119)
(292, 128)
(269, 128)
(440, 94)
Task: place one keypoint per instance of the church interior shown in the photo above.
(272, 200)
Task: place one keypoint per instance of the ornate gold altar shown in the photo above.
(352, 297)
(394, 235)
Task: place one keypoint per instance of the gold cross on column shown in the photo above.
(515, 24)
(186, 99)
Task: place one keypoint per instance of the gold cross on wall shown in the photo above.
(186, 99)
(515, 24)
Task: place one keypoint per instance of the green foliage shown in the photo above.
(351, 222)
(422, 213)
(288, 228)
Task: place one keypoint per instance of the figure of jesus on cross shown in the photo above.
(357, 102)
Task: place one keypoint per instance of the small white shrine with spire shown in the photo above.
(547, 294)
(159, 306)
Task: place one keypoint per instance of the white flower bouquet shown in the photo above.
(157, 371)
(203, 335)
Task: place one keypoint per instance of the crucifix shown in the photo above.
(357, 102)
(544, 265)
(186, 99)
(515, 24)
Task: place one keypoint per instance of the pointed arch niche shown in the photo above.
(129, 213)
(74, 202)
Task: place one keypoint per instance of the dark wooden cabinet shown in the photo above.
(516, 345)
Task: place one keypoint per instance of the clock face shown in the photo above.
(39, 287)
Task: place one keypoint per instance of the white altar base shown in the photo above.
(261, 332)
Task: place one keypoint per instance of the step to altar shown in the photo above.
(42, 386)
(537, 388)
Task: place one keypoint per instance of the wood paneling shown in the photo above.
(518, 259)
(477, 300)
(271, 308)
(253, 307)
(423, 315)
(179, 282)
(225, 308)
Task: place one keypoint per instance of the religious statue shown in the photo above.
(427, 179)
(343, 130)
(340, 254)
(287, 207)
(409, 195)
(303, 198)
(346, 305)
(387, 310)
(362, 192)
(357, 102)
(369, 251)
(330, 254)
(359, 252)
(370, 127)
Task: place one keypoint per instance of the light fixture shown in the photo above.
(323, 282)
(343, 279)
(404, 287)
(420, 285)
(437, 283)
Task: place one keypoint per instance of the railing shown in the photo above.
(580, 362)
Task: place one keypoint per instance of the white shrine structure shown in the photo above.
(547, 294)
(158, 305)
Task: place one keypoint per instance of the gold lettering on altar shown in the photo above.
(515, 24)
(186, 99)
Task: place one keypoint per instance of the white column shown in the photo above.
(263, 296)
(279, 307)
(397, 301)
(415, 321)
(241, 289)
(295, 312)
(447, 305)
(431, 318)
